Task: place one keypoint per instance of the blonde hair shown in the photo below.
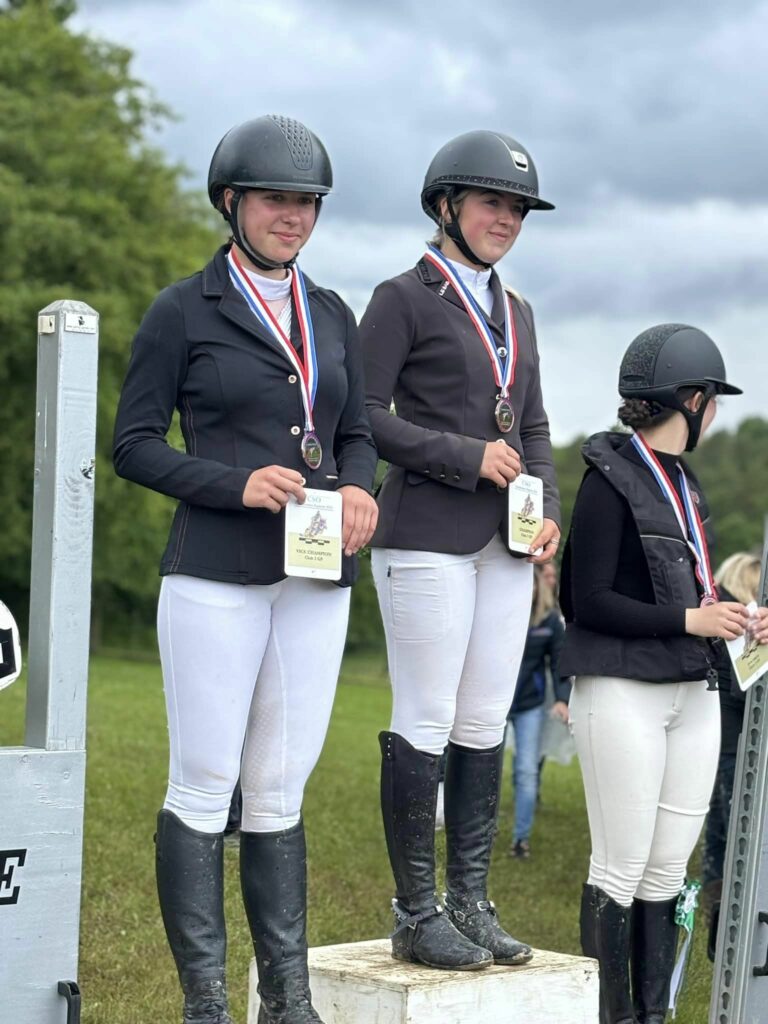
(543, 598)
(740, 575)
(439, 236)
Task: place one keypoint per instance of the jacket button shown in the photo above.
(502, 351)
(427, 471)
(292, 379)
(442, 476)
(295, 431)
(457, 476)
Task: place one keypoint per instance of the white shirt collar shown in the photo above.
(268, 288)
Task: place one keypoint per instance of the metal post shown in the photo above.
(740, 986)
(42, 784)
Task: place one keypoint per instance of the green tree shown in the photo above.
(88, 210)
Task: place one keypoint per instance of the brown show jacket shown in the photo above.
(421, 349)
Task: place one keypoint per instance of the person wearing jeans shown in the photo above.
(528, 712)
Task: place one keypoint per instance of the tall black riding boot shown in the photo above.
(472, 779)
(654, 944)
(190, 884)
(273, 874)
(423, 933)
(605, 931)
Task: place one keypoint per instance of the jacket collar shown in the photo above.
(433, 279)
(216, 283)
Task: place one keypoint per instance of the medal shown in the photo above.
(505, 414)
(503, 359)
(311, 450)
(306, 368)
(688, 518)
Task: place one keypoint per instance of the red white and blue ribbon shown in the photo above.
(686, 513)
(306, 368)
(503, 367)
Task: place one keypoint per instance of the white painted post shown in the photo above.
(42, 784)
(360, 983)
(740, 988)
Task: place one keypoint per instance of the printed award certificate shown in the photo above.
(313, 536)
(749, 658)
(526, 512)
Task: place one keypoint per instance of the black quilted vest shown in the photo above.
(671, 566)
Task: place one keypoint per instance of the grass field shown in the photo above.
(126, 972)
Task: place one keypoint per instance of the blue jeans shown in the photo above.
(528, 726)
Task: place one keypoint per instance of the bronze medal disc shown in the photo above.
(505, 415)
(311, 450)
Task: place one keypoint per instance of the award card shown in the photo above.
(313, 536)
(748, 657)
(526, 512)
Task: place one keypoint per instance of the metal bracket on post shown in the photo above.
(71, 992)
(42, 784)
(739, 995)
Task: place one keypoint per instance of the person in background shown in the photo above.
(738, 579)
(264, 368)
(527, 714)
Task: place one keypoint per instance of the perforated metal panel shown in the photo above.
(740, 985)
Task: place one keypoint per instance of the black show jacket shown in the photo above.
(200, 350)
(421, 348)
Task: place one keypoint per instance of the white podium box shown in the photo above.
(360, 983)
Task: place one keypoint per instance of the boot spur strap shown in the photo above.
(484, 906)
(405, 920)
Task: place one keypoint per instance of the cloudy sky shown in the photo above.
(646, 122)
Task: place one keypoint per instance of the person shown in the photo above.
(737, 579)
(265, 369)
(457, 353)
(528, 711)
(10, 647)
(641, 607)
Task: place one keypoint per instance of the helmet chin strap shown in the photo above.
(454, 232)
(257, 258)
(696, 419)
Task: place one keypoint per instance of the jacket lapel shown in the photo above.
(435, 281)
(216, 282)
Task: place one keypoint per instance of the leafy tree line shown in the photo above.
(89, 210)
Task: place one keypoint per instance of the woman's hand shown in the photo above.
(271, 488)
(548, 538)
(726, 619)
(501, 464)
(359, 517)
(560, 710)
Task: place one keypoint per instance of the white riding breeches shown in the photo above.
(456, 627)
(250, 675)
(648, 754)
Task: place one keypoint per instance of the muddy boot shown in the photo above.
(423, 933)
(190, 885)
(472, 779)
(654, 944)
(273, 874)
(605, 932)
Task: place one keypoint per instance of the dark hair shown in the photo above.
(639, 413)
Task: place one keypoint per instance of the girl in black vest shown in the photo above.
(457, 353)
(642, 609)
(265, 371)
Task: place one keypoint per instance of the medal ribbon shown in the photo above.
(686, 513)
(503, 369)
(306, 368)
